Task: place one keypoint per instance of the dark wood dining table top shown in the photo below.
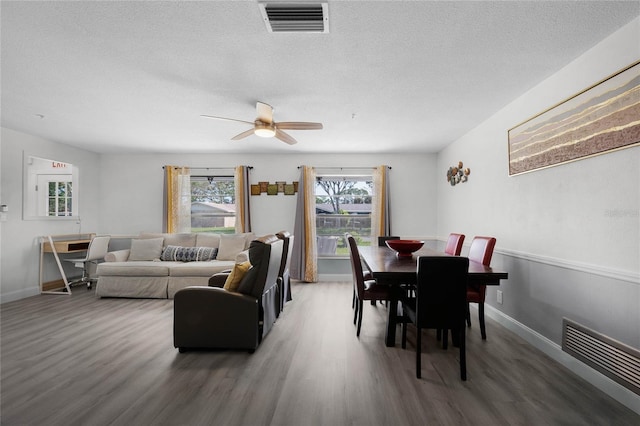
(387, 268)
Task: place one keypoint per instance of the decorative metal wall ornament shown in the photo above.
(456, 174)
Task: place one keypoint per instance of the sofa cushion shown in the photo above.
(230, 246)
(146, 249)
(188, 254)
(205, 239)
(199, 269)
(132, 269)
(183, 240)
(248, 237)
(236, 275)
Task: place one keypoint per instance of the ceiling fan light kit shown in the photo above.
(265, 127)
(265, 130)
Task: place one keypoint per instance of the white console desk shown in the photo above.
(55, 245)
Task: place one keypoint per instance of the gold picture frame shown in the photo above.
(599, 119)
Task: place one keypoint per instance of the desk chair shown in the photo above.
(98, 248)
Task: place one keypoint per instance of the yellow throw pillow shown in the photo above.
(236, 275)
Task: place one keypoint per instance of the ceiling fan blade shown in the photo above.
(227, 119)
(265, 112)
(298, 125)
(242, 135)
(285, 137)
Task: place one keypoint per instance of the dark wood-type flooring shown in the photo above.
(80, 360)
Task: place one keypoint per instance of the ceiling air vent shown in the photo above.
(295, 17)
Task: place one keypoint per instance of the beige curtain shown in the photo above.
(380, 209)
(304, 265)
(177, 199)
(243, 217)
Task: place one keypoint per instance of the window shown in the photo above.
(59, 198)
(213, 206)
(343, 204)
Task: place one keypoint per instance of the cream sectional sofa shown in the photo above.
(149, 269)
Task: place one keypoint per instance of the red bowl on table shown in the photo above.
(404, 248)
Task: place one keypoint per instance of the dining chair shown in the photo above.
(454, 248)
(454, 244)
(439, 303)
(481, 251)
(363, 289)
(365, 272)
(382, 240)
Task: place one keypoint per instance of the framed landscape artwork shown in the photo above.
(601, 118)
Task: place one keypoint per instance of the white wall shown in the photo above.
(568, 235)
(131, 197)
(122, 194)
(19, 243)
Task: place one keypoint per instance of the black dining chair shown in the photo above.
(454, 248)
(382, 240)
(440, 303)
(363, 289)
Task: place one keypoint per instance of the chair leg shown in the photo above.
(355, 310)
(353, 299)
(483, 331)
(360, 303)
(445, 338)
(463, 355)
(439, 334)
(468, 316)
(418, 352)
(404, 333)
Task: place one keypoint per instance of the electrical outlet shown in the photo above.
(499, 296)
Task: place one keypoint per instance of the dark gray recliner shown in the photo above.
(214, 318)
(285, 278)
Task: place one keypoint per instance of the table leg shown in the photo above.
(390, 338)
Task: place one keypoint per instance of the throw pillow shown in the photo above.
(188, 254)
(146, 249)
(236, 275)
(230, 246)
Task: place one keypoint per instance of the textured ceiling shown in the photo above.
(400, 76)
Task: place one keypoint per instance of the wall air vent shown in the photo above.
(295, 17)
(614, 359)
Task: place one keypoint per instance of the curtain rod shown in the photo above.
(345, 168)
(209, 168)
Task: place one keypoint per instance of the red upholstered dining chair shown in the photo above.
(454, 244)
(481, 251)
(363, 289)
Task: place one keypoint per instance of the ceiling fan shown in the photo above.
(265, 127)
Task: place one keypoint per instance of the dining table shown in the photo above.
(388, 268)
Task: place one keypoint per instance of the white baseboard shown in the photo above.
(335, 277)
(554, 351)
(19, 294)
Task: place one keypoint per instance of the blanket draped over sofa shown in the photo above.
(158, 265)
